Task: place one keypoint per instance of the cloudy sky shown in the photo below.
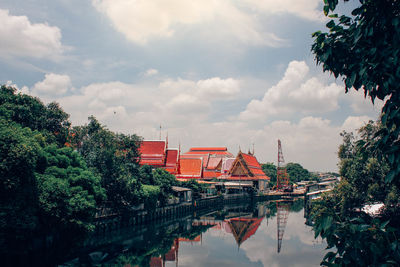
(211, 72)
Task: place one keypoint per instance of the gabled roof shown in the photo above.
(190, 167)
(227, 164)
(243, 228)
(214, 163)
(247, 167)
(152, 152)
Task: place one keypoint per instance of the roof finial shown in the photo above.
(160, 131)
(253, 149)
(167, 139)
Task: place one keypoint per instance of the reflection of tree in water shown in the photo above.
(158, 250)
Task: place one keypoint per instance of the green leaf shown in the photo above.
(330, 24)
(389, 177)
(326, 10)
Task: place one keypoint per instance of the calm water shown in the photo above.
(266, 234)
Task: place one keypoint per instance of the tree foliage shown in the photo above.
(113, 157)
(44, 186)
(297, 173)
(30, 112)
(363, 49)
(359, 238)
(270, 170)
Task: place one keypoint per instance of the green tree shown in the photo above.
(30, 112)
(270, 170)
(43, 188)
(297, 173)
(359, 238)
(68, 192)
(18, 187)
(363, 50)
(112, 156)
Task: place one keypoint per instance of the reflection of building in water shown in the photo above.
(281, 219)
(243, 228)
(240, 227)
(172, 254)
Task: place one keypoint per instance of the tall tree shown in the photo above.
(270, 170)
(363, 49)
(112, 156)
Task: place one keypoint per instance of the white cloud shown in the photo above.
(294, 93)
(23, 90)
(144, 20)
(53, 84)
(361, 104)
(307, 9)
(218, 88)
(172, 102)
(184, 109)
(151, 72)
(21, 38)
(352, 123)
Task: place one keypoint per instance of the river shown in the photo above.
(270, 233)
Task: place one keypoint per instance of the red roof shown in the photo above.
(210, 150)
(250, 166)
(172, 157)
(213, 162)
(211, 173)
(190, 168)
(152, 152)
(243, 228)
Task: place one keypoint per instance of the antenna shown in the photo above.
(281, 174)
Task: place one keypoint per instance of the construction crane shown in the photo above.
(282, 180)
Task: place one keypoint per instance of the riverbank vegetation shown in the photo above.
(361, 49)
(54, 177)
(295, 171)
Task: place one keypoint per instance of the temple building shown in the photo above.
(157, 154)
(246, 170)
(203, 163)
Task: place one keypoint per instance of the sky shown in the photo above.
(211, 72)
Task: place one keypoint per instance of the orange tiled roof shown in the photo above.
(190, 167)
(213, 162)
(243, 228)
(210, 150)
(250, 167)
(211, 173)
(152, 152)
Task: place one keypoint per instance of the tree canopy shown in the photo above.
(363, 49)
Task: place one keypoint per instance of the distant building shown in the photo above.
(246, 169)
(157, 154)
(203, 162)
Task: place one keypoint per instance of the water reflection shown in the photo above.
(264, 234)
